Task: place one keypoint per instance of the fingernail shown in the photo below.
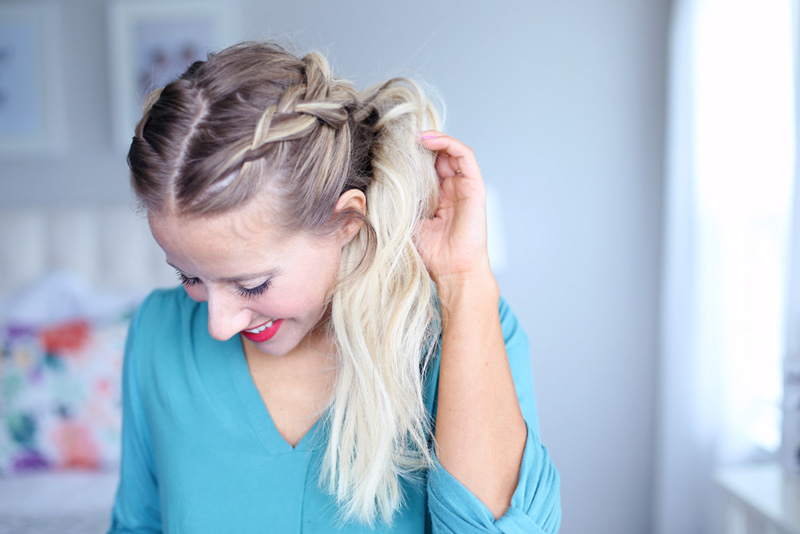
(428, 136)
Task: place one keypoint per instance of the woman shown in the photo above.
(340, 359)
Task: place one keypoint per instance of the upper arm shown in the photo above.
(519, 359)
(136, 507)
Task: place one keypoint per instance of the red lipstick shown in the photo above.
(264, 335)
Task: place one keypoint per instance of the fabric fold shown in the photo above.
(535, 506)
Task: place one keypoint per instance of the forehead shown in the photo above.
(226, 245)
(244, 224)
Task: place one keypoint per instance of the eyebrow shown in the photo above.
(269, 274)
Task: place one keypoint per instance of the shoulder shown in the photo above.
(165, 309)
(163, 320)
(162, 301)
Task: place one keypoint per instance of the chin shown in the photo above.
(271, 350)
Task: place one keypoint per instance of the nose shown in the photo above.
(226, 315)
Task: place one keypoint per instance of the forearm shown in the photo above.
(480, 432)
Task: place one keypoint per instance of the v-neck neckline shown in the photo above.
(257, 411)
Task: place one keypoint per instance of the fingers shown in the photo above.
(444, 167)
(453, 155)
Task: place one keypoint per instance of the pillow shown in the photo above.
(60, 395)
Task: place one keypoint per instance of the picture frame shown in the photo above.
(31, 81)
(152, 42)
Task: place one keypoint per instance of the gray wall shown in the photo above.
(564, 105)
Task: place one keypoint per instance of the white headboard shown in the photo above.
(111, 246)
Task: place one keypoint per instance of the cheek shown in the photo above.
(294, 302)
(197, 292)
(321, 280)
(300, 297)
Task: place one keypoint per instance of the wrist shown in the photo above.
(468, 290)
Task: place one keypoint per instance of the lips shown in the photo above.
(263, 333)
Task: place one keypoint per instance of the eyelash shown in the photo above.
(186, 280)
(255, 291)
(243, 291)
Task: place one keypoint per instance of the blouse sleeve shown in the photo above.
(536, 503)
(136, 507)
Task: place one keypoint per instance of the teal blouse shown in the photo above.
(200, 453)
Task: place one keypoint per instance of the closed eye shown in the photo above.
(187, 281)
(255, 291)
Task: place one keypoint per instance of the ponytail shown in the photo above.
(385, 321)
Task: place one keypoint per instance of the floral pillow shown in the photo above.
(60, 395)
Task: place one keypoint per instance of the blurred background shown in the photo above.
(641, 158)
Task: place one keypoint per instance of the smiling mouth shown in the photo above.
(263, 333)
(259, 329)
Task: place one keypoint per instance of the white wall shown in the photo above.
(564, 105)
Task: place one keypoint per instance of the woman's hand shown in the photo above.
(453, 242)
(480, 432)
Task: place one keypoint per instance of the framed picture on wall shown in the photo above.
(31, 96)
(151, 43)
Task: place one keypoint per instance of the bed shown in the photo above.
(70, 280)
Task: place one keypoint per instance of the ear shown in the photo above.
(351, 201)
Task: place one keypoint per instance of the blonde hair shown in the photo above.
(253, 120)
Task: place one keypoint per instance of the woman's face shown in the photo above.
(268, 286)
